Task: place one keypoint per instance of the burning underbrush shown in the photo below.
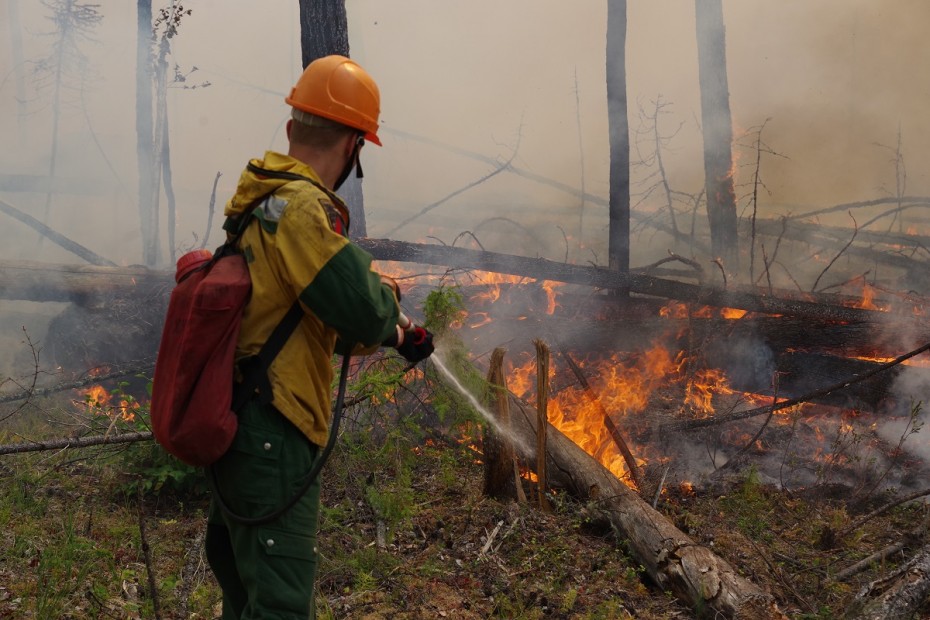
(670, 394)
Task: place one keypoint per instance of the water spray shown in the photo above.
(452, 380)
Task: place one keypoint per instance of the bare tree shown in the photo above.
(324, 30)
(145, 134)
(619, 207)
(154, 75)
(73, 23)
(718, 132)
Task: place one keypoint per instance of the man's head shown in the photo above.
(335, 107)
(337, 89)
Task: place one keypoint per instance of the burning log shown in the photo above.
(598, 277)
(673, 561)
(628, 457)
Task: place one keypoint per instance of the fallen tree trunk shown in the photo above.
(676, 563)
(900, 595)
(33, 281)
(543, 269)
(38, 282)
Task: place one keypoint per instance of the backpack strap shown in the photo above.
(255, 367)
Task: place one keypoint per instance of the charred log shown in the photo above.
(598, 277)
(82, 284)
(673, 561)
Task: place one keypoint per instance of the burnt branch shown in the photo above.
(500, 168)
(791, 402)
(615, 434)
(840, 253)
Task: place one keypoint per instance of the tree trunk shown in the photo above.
(16, 42)
(619, 210)
(324, 30)
(145, 136)
(718, 132)
(672, 560)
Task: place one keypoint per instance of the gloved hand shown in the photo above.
(417, 344)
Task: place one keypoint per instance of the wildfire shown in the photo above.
(702, 387)
(98, 402)
(619, 387)
(679, 310)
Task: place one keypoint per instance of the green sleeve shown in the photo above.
(348, 296)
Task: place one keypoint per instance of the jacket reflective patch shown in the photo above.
(336, 221)
(272, 207)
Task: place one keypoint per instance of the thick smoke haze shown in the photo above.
(837, 79)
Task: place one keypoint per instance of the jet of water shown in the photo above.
(452, 380)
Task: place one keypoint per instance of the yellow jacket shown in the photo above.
(296, 251)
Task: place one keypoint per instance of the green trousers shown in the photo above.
(266, 571)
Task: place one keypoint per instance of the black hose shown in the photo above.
(311, 476)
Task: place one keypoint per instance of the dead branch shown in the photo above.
(880, 510)
(922, 200)
(77, 442)
(840, 253)
(75, 248)
(751, 442)
(791, 402)
(696, 266)
(147, 555)
(190, 570)
(910, 538)
(500, 168)
(210, 210)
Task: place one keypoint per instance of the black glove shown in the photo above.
(417, 345)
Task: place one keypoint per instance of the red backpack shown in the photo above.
(194, 395)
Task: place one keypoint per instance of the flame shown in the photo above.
(96, 396)
(868, 297)
(621, 387)
(97, 400)
(732, 313)
(551, 295)
(481, 319)
(679, 310)
(702, 387)
(127, 410)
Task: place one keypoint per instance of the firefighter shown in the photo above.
(298, 249)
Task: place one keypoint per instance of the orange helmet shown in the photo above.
(336, 88)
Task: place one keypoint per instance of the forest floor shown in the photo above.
(407, 533)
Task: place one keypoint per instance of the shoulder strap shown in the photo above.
(255, 367)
